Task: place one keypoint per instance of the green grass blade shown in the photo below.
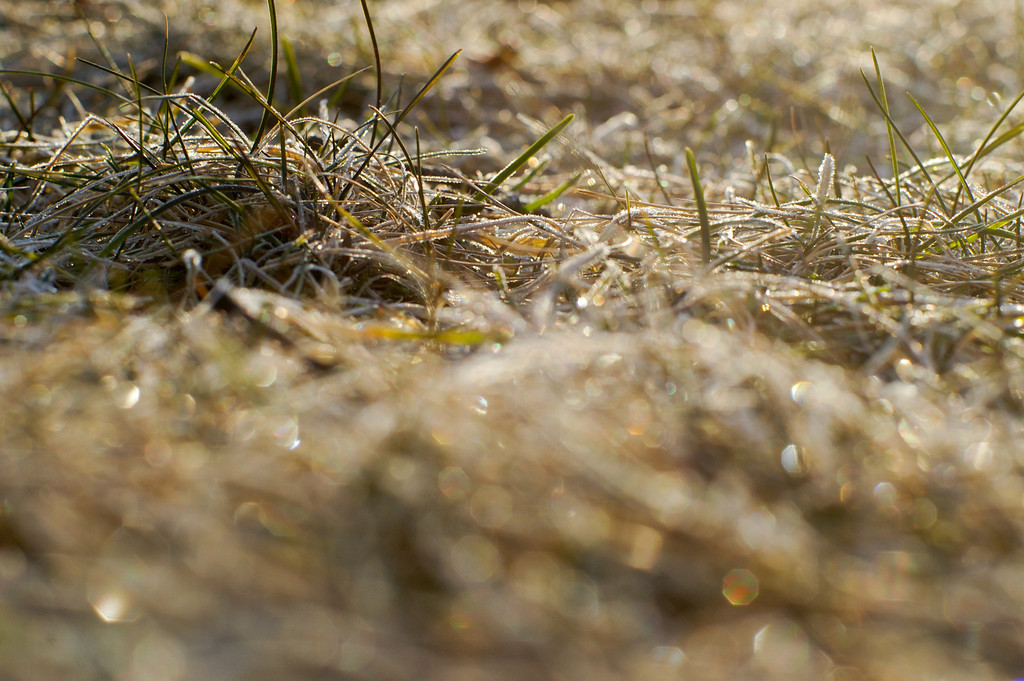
(129, 79)
(888, 126)
(530, 174)
(265, 118)
(401, 116)
(376, 65)
(945, 148)
(537, 204)
(523, 158)
(1007, 136)
(212, 68)
(302, 104)
(906, 144)
(984, 148)
(427, 87)
(702, 208)
(985, 199)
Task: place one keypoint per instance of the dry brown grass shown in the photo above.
(316, 407)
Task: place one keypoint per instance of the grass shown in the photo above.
(294, 391)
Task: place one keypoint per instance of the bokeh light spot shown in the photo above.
(740, 587)
(115, 606)
(491, 506)
(475, 559)
(453, 483)
(794, 460)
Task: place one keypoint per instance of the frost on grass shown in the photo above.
(318, 407)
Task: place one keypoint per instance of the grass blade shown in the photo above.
(265, 118)
(826, 174)
(523, 158)
(376, 66)
(537, 204)
(702, 208)
(985, 148)
(945, 148)
(906, 144)
(888, 126)
(401, 116)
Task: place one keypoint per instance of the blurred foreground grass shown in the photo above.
(308, 407)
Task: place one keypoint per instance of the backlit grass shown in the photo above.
(349, 374)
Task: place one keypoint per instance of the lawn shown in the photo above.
(502, 340)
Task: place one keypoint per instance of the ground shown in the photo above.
(281, 402)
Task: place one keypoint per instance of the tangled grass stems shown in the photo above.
(308, 205)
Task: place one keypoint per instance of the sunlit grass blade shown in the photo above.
(540, 202)
(945, 148)
(401, 117)
(203, 65)
(702, 208)
(891, 124)
(523, 158)
(893, 158)
(533, 172)
(988, 145)
(1005, 137)
(272, 86)
(953, 220)
(378, 70)
(826, 175)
